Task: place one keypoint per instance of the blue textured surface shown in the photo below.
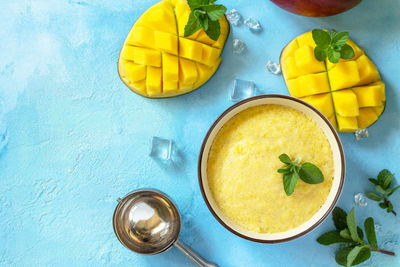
(73, 138)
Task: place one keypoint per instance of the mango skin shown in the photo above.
(206, 60)
(356, 91)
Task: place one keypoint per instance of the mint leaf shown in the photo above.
(341, 256)
(345, 233)
(321, 38)
(192, 26)
(332, 237)
(287, 169)
(331, 33)
(384, 178)
(193, 4)
(373, 196)
(285, 159)
(369, 227)
(347, 52)
(289, 182)
(374, 181)
(214, 12)
(357, 255)
(214, 30)
(339, 218)
(320, 53)
(333, 55)
(352, 225)
(310, 173)
(340, 38)
(380, 189)
(382, 205)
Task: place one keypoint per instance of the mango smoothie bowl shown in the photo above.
(239, 161)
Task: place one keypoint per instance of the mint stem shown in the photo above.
(383, 251)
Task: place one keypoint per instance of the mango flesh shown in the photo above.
(157, 61)
(349, 93)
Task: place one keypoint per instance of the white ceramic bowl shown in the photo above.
(339, 168)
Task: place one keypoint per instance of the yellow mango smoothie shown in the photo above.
(243, 162)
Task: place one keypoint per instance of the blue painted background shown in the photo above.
(73, 138)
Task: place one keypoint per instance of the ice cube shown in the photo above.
(361, 134)
(241, 90)
(238, 46)
(234, 17)
(253, 24)
(360, 200)
(273, 67)
(160, 148)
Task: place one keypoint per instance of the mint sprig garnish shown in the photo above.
(204, 14)
(347, 232)
(383, 190)
(293, 170)
(331, 45)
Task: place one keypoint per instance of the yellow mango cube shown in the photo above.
(306, 39)
(333, 121)
(322, 102)
(128, 52)
(381, 86)
(345, 102)
(210, 55)
(141, 36)
(344, 75)
(368, 71)
(379, 110)
(290, 69)
(133, 72)
(290, 49)
(154, 81)
(366, 118)
(187, 72)
(310, 84)
(170, 86)
(166, 42)
(170, 67)
(204, 72)
(347, 124)
(160, 17)
(190, 49)
(368, 96)
(140, 85)
(306, 61)
(147, 56)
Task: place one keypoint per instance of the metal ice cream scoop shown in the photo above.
(146, 221)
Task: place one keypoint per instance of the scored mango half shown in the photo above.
(157, 61)
(350, 93)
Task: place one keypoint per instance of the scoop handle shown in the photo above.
(193, 255)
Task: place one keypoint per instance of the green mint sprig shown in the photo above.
(331, 44)
(347, 232)
(307, 172)
(204, 14)
(383, 190)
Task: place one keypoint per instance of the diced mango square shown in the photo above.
(357, 53)
(309, 85)
(170, 86)
(306, 39)
(210, 55)
(290, 49)
(128, 52)
(322, 102)
(166, 42)
(154, 81)
(382, 88)
(345, 102)
(204, 72)
(379, 110)
(140, 85)
(347, 124)
(290, 69)
(366, 118)
(187, 72)
(368, 71)
(133, 72)
(159, 17)
(368, 96)
(190, 49)
(147, 56)
(333, 121)
(170, 67)
(344, 75)
(306, 61)
(141, 36)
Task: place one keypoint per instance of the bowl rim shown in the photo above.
(342, 174)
